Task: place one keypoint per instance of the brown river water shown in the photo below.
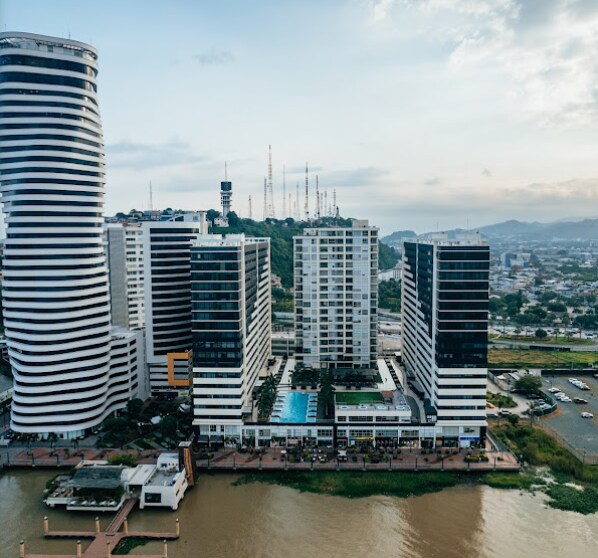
(219, 520)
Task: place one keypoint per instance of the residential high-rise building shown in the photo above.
(230, 284)
(55, 281)
(167, 291)
(444, 329)
(124, 247)
(336, 296)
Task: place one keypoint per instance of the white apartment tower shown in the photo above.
(336, 296)
(444, 330)
(124, 247)
(55, 282)
(230, 283)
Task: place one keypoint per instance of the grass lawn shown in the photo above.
(500, 400)
(561, 340)
(358, 398)
(521, 358)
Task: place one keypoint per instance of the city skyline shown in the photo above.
(448, 113)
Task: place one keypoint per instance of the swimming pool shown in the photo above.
(294, 406)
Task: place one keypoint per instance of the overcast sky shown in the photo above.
(423, 114)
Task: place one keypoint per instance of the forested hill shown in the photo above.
(281, 234)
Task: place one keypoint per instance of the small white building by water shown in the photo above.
(99, 486)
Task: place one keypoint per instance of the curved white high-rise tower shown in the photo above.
(55, 284)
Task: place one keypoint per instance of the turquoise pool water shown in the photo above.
(294, 406)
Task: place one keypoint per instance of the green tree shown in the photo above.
(528, 384)
(123, 459)
(266, 396)
(387, 256)
(168, 426)
(134, 408)
(541, 333)
(327, 392)
(211, 214)
(233, 219)
(389, 295)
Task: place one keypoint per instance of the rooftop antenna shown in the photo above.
(151, 197)
(306, 208)
(225, 171)
(334, 206)
(317, 199)
(284, 192)
(326, 212)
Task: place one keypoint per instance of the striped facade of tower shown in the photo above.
(55, 281)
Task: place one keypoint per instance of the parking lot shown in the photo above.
(567, 422)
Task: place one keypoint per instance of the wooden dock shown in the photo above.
(104, 542)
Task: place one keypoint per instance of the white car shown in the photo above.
(553, 390)
(587, 415)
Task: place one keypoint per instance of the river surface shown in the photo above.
(219, 520)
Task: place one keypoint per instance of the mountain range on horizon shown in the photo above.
(563, 229)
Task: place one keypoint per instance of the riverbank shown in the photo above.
(552, 470)
(353, 484)
(220, 520)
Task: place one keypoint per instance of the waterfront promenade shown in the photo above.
(275, 459)
(226, 459)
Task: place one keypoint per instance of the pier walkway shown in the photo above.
(103, 543)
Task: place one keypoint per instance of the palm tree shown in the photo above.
(326, 391)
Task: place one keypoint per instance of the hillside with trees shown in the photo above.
(281, 234)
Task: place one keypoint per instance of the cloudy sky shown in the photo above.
(423, 114)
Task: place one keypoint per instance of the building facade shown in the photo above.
(167, 292)
(124, 248)
(336, 296)
(231, 300)
(55, 281)
(444, 330)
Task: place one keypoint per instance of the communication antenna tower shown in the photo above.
(265, 198)
(250, 209)
(306, 207)
(270, 190)
(284, 192)
(318, 209)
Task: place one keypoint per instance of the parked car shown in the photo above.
(579, 401)
(587, 415)
(504, 413)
